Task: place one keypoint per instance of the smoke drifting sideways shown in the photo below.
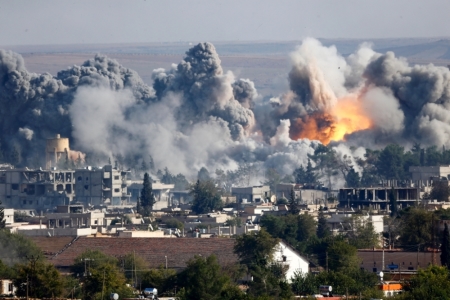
(367, 99)
(196, 115)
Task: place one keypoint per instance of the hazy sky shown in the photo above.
(122, 21)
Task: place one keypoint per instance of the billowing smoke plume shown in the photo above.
(196, 115)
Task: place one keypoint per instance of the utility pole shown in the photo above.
(433, 241)
(327, 259)
(418, 247)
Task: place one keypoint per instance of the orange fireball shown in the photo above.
(345, 117)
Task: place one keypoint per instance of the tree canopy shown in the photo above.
(206, 197)
(147, 198)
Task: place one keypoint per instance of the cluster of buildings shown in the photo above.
(93, 208)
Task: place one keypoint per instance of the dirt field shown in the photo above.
(269, 73)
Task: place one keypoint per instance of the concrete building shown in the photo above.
(160, 190)
(378, 197)
(96, 186)
(284, 190)
(36, 189)
(338, 222)
(425, 174)
(303, 196)
(8, 216)
(68, 220)
(251, 193)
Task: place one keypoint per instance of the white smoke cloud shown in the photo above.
(195, 115)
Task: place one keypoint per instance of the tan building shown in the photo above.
(251, 193)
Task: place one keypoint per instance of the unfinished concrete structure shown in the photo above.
(96, 186)
(56, 149)
(378, 197)
(36, 189)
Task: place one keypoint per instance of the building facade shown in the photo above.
(36, 189)
(251, 193)
(102, 186)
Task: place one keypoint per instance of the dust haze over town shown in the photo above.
(223, 101)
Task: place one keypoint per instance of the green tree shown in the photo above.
(203, 174)
(310, 176)
(415, 227)
(134, 267)
(41, 279)
(304, 284)
(300, 175)
(180, 182)
(6, 272)
(255, 252)
(342, 256)
(393, 202)
(105, 279)
(352, 282)
(352, 179)
(293, 208)
(161, 278)
(203, 279)
(363, 233)
(234, 221)
(2, 217)
(255, 249)
(390, 162)
(445, 248)
(147, 198)
(322, 228)
(206, 197)
(174, 223)
(90, 259)
(100, 275)
(440, 190)
(432, 283)
(326, 161)
(19, 248)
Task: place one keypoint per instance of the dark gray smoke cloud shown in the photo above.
(196, 115)
(207, 91)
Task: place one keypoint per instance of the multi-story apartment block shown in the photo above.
(36, 189)
(95, 186)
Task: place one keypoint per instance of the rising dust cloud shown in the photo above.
(196, 115)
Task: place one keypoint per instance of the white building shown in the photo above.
(8, 216)
(337, 222)
(287, 256)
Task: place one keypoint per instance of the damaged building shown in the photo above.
(98, 186)
(36, 189)
(378, 197)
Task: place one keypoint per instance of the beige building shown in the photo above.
(107, 185)
(251, 193)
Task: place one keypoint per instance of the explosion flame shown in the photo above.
(345, 117)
